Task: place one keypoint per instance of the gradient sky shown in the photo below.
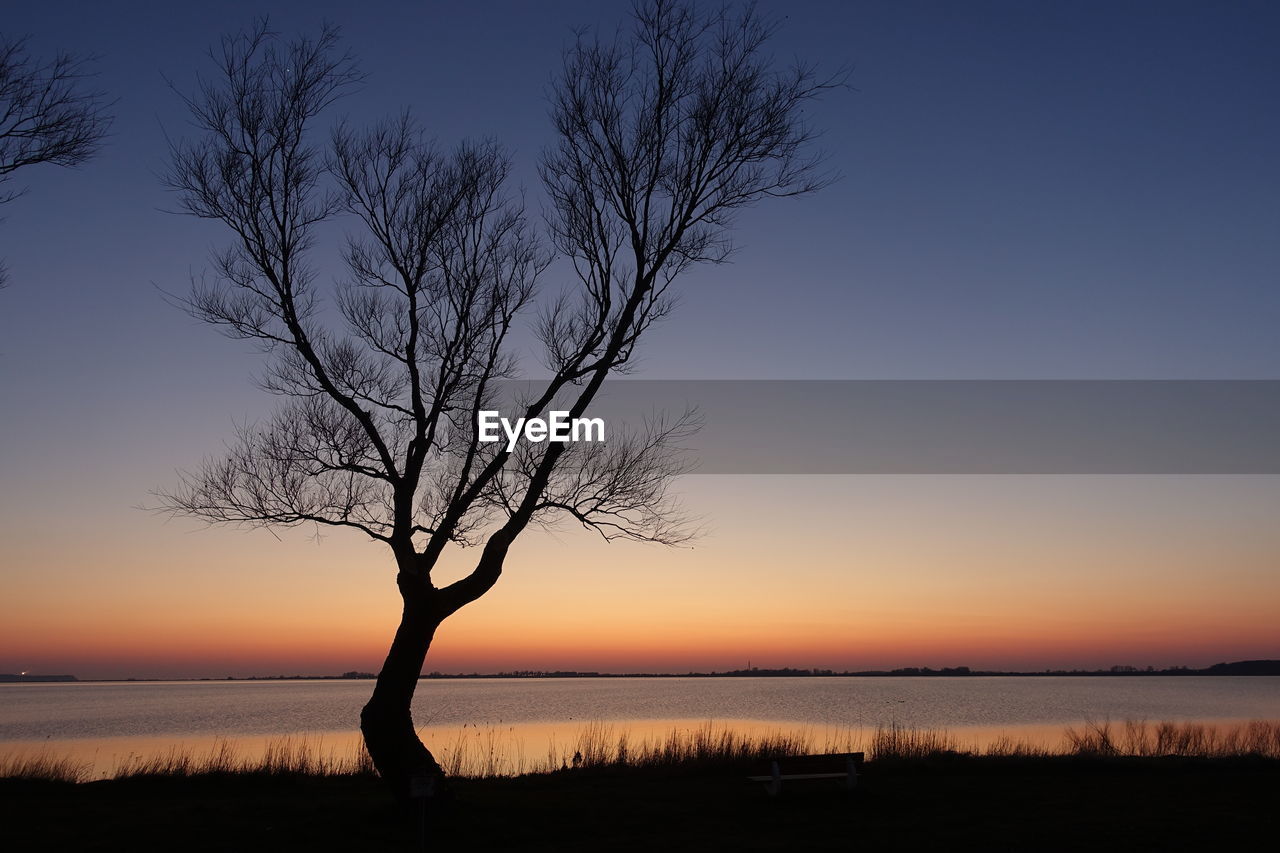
(1030, 190)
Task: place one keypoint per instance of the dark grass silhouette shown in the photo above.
(1127, 786)
(929, 802)
(606, 746)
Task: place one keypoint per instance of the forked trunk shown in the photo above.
(386, 721)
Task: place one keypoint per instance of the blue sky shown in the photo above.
(1081, 190)
(1030, 190)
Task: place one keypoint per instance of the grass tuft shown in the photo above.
(285, 756)
(43, 766)
(485, 752)
(598, 745)
(1259, 738)
(897, 742)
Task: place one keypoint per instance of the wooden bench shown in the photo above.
(810, 768)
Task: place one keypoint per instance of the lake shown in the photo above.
(104, 723)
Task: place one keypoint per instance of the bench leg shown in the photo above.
(774, 787)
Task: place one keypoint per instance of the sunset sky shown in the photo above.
(1029, 191)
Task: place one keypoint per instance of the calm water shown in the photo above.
(130, 716)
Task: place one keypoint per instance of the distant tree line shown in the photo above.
(1251, 667)
(1243, 667)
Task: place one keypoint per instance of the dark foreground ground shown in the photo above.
(943, 804)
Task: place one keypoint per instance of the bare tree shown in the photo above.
(664, 133)
(46, 114)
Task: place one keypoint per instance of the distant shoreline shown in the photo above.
(1237, 668)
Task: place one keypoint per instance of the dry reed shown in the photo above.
(284, 756)
(43, 766)
(1187, 739)
(482, 752)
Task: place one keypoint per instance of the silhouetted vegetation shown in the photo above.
(1256, 667)
(1245, 667)
(47, 114)
(1109, 792)
(1259, 667)
(485, 752)
(1140, 738)
(664, 133)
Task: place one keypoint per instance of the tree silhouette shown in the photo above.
(663, 134)
(46, 115)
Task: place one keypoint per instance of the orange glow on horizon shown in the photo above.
(1032, 576)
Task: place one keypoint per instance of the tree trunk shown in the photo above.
(386, 721)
